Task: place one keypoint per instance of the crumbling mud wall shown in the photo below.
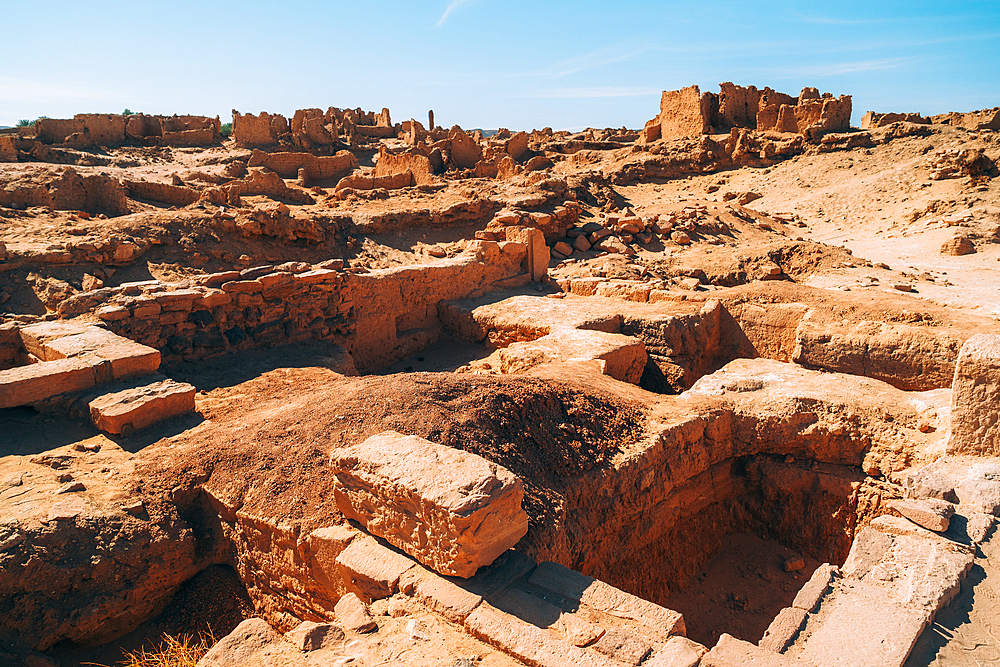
(689, 113)
(67, 190)
(312, 128)
(87, 130)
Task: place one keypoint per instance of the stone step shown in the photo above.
(128, 410)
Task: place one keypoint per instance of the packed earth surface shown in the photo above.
(330, 390)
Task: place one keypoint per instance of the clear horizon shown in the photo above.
(486, 64)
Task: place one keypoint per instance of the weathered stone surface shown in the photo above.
(960, 244)
(24, 385)
(141, 406)
(451, 510)
(621, 357)
(813, 590)
(677, 652)
(623, 647)
(859, 628)
(780, 634)
(353, 614)
(894, 525)
(973, 482)
(370, 570)
(931, 513)
(310, 636)
(975, 406)
(608, 599)
(441, 595)
(239, 646)
(528, 643)
(732, 652)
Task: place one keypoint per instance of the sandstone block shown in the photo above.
(446, 598)
(311, 636)
(581, 243)
(528, 643)
(36, 336)
(451, 510)
(975, 402)
(237, 648)
(563, 248)
(959, 244)
(862, 631)
(813, 590)
(677, 652)
(370, 570)
(353, 614)
(783, 629)
(732, 652)
(623, 647)
(23, 385)
(142, 406)
(894, 525)
(598, 595)
(931, 513)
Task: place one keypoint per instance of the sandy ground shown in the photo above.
(740, 590)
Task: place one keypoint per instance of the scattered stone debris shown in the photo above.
(507, 398)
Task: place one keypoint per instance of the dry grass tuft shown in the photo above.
(180, 651)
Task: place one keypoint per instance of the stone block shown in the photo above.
(177, 300)
(312, 636)
(142, 406)
(931, 513)
(813, 590)
(859, 628)
(23, 385)
(451, 510)
(975, 399)
(353, 614)
(732, 652)
(894, 525)
(370, 570)
(128, 358)
(443, 596)
(783, 629)
(677, 652)
(623, 647)
(36, 336)
(238, 647)
(528, 643)
(598, 595)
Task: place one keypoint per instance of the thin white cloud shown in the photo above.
(829, 20)
(599, 91)
(455, 4)
(588, 61)
(837, 69)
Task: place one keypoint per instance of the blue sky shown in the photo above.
(490, 63)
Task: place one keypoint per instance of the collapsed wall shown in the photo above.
(690, 113)
(312, 128)
(87, 130)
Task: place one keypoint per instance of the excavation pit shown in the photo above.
(681, 432)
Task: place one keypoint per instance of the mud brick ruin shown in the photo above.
(344, 391)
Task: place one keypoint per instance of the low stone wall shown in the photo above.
(380, 316)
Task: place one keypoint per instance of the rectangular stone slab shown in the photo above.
(142, 406)
(23, 385)
(975, 398)
(451, 510)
